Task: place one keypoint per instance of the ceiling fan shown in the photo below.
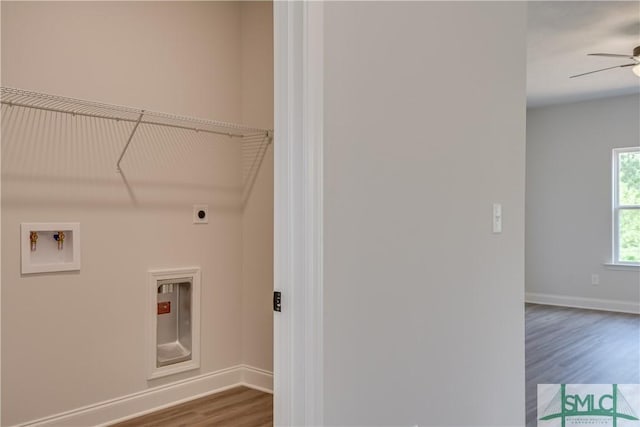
(635, 57)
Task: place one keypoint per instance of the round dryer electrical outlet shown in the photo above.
(200, 214)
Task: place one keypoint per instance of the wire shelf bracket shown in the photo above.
(126, 146)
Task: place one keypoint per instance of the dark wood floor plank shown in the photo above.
(575, 346)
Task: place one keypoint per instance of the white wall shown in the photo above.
(72, 339)
(424, 130)
(257, 220)
(568, 203)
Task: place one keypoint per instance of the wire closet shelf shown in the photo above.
(78, 107)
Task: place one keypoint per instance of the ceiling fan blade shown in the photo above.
(603, 69)
(611, 55)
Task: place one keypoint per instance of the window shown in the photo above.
(626, 206)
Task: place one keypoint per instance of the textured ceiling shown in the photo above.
(560, 34)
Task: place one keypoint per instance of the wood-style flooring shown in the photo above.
(237, 407)
(575, 346)
(563, 345)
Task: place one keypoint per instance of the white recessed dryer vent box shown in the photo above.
(50, 246)
(173, 321)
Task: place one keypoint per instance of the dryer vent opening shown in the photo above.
(173, 324)
(174, 319)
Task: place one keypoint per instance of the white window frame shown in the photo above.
(617, 208)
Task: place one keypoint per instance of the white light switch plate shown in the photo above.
(497, 218)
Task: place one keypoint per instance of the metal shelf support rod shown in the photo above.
(133, 132)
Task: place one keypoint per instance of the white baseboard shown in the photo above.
(156, 398)
(581, 302)
(258, 379)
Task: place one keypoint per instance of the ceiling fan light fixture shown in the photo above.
(636, 70)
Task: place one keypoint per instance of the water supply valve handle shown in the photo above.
(60, 239)
(33, 238)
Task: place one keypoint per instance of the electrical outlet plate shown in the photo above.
(200, 214)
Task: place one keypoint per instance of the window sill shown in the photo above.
(627, 267)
